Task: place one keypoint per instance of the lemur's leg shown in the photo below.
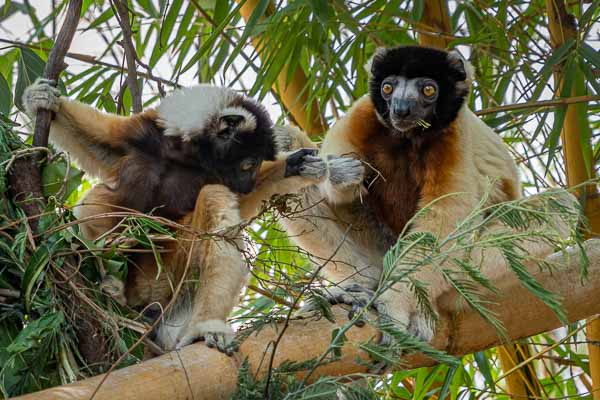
(93, 205)
(222, 273)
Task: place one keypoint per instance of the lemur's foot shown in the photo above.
(41, 95)
(115, 288)
(415, 322)
(288, 138)
(215, 333)
(354, 295)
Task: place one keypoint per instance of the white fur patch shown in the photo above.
(249, 122)
(186, 111)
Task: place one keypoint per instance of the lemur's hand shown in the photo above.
(345, 171)
(340, 171)
(304, 163)
(42, 95)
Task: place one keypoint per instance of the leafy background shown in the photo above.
(266, 49)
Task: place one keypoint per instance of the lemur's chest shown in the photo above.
(405, 173)
(394, 186)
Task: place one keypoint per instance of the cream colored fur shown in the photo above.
(342, 227)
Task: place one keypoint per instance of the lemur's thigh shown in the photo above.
(97, 201)
(216, 208)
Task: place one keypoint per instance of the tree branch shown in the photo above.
(207, 374)
(130, 55)
(24, 177)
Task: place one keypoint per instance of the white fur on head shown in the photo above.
(249, 122)
(186, 112)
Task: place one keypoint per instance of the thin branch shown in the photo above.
(539, 104)
(90, 60)
(122, 15)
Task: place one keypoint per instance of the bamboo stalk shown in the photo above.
(202, 373)
(563, 27)
(294, 95)
(436, 21)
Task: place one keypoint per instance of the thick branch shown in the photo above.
(207, 374)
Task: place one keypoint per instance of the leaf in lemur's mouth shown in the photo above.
(423, 124)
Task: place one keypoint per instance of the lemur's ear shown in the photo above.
(461, 66)
(379, 53)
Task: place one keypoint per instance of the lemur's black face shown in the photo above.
(417, 89)
(237, 142)
(222, 134)
(410, 102)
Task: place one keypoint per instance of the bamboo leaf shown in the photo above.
(31, 67)
(5, 96)
(36, 265)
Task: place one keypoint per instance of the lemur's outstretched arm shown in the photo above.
(93, 138)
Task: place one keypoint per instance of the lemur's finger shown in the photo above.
(42, 80)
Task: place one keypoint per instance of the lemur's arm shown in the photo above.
(94, 139)
(297, 167)
(338, 143)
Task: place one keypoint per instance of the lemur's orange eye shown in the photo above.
(429, 90)
(387, 88)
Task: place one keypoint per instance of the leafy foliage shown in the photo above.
(321, 48)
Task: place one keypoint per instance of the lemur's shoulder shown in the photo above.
(355, 129)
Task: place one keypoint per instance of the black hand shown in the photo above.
(295, 161)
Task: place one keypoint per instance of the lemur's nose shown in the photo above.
(233, 120)
(401, 107)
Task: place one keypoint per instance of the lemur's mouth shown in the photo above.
(407, 124)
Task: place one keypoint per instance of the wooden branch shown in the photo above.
(293, 94)
(539, 104)
(25, 179)
(54, 66)
(130, 55)
(200, 372)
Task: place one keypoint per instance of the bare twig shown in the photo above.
(89, 60)
(539, 104)
(122, 13)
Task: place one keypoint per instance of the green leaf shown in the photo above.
(589, 54)
(36, 331)
(417, 10)
(53, 178)
(102, 18)
(338, 338)
(483, 364)
(5, 96)
(38, 261)
(31, 67)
